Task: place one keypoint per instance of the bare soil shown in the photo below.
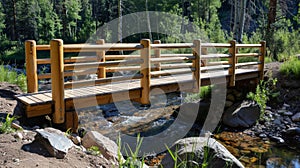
(14, 152)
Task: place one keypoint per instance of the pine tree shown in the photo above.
(2, 20)
(86, 26)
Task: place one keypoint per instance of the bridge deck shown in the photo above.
(37, 104)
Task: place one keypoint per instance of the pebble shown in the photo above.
(16, 126)
(16, 160)
(286, 105)
(277, 139)
(262, 135)
(18, 135)
(288, 113)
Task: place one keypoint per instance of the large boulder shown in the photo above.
(242, 114)
(199, 151)
(54, 141)
(107, 147)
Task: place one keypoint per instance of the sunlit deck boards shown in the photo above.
(37, 104)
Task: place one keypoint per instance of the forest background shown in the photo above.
(74, 21)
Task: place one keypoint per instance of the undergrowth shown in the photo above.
(13, 77)
(262, 94)
(6, 125)
(291, 68)
(205, 92)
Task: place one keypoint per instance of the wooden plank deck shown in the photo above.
(37, 104)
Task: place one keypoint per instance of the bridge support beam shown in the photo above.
(101, 72)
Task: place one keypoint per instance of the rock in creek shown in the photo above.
(296, 117)
(242, 114)
(192, 150)
(55, 142)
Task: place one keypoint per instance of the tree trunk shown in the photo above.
(271, 15)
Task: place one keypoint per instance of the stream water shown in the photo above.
(130, 118)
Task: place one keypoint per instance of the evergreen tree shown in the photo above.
(86, 26)
(48, 22)
(2, 20)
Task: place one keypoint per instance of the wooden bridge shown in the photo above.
(189, 66)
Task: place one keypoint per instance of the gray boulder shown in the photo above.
(107, 147)
(242, 114)
(197, 151)
(296, 117)
(56, 143)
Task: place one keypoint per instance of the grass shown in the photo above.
(6, 126)
(291, 68)
(205, 92)
(13, 77)
(94, 150)
(133, 160)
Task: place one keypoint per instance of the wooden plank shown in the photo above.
(232, 62)
(216, 45)
(38, 110)
(214, 56)
(248, 54)
(247, 64)
(180, 65)
(261, 59)
(207, 68)
(171, 46)
(106, 47)
(120, 57)
(196, 65)
(24, 99)
(248, 45)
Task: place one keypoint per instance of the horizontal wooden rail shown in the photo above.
(248, 45)
(118, 57)
(215, 45)
(43, 47)
(247, 64)
(172, 66)
(175, 55)
(79, 66)
(172, 72)
(106, 47)
(69, 74)
(214, 56)
(77, 84)
(172, 46)
(171, 59)
(248, 55)
(69, 60)
(217, 63)
(216, 67)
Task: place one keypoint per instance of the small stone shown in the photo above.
(16, 126)
(293, 131)
(288, 113)
(277, 122)
(18, 135)
(296, 117)
(262, 135)
(281, 111)
(286, 105)
(76, 140)
(16, 160)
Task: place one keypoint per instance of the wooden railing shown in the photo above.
(146, 64)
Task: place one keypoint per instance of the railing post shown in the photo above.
(57, 77)
(261, 59)
(101, 72)
(145, 71)
(232, 62)
(204, 52)
(196, 65)
(157, 55)
(31, 66)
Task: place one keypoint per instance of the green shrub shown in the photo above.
(291, 68)
(262, 94)
(6, 126)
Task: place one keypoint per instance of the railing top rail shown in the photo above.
(215, 45)
(172, 46)
(248, 45)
